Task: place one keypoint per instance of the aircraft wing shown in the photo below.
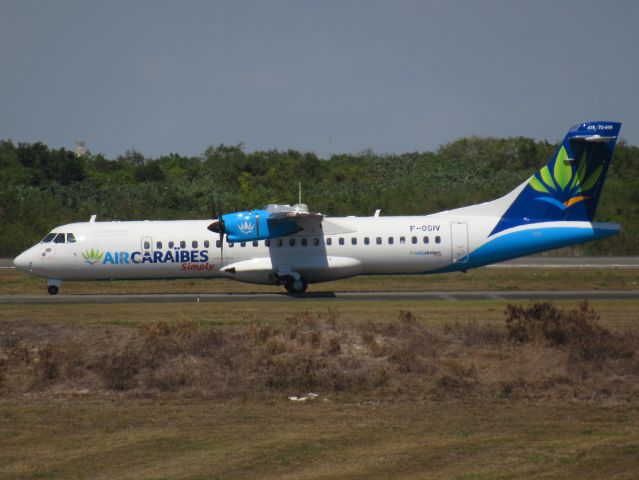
(304, 220)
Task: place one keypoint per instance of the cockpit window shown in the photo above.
(48, 238)
(59, 238)
(70, 238)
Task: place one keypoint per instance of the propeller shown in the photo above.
(218, 227)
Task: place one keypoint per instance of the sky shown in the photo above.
(322, 76)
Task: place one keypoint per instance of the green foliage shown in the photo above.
(43, 187)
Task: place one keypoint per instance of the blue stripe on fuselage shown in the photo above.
(527, 242)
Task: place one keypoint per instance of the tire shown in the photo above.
(53, 289)
(296, 286)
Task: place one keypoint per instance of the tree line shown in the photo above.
(43, 187)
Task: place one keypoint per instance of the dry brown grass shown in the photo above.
(540, 352)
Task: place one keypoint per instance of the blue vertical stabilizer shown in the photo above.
(568, 187)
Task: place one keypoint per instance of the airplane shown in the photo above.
(292, 247)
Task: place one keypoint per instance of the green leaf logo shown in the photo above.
(562, 170)
(92, 256)
(565, 180)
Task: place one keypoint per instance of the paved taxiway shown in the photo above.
(525, 262)
(569, 262)
(323, 296)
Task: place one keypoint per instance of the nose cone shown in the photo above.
(22, 261)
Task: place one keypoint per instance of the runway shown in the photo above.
(568, 262)
(501, 295)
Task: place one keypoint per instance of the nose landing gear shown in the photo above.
(53, 286)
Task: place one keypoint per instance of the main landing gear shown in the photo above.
(294, 285)
(292, 281)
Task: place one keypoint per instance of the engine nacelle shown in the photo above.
(253, 225)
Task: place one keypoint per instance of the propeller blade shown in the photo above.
(221, 249)
(217, 226)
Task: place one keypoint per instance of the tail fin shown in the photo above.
(568, 188)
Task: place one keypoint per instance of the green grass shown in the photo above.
(142, 439)
(618, 314)
(15, 282)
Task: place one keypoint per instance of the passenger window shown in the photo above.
(402, 240)
(316, 241)
(59, 238)
(171, 244)
(304, 242)
(414, 240)
(182, 244)
(158, 245)
(438, 239)
(147, 245)
(329, 241)
(291, 242)
(231, 244)
(206, 244)
(341, 240)
(217, 244)
(425, 239)
(255, 243)
(280, 242)
(378, 240)
(354, 241)
(242, 244)
(390, 240)
(194, 244)
(267, 243)
(70, 238)
(48, 238)
(367, 241)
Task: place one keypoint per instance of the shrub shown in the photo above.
(48, 363)
(578, 328)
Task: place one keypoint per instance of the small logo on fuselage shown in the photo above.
(92, 256)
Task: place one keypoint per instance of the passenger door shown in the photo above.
(459, 242)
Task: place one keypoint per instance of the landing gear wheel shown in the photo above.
(53, 289)
(296, 286)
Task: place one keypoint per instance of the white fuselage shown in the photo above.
(342, 247)
(186, 249)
